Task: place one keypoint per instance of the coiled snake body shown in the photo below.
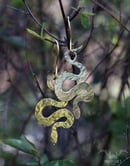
(81, 91)
(52, 119)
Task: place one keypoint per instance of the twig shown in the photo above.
(35, 20)
(77, 11)
(128, 84)
(107, 55)
(75, 134)
(65, 24)
(90, 34)
(39, 161)
(38, 85)
(29, 11)
(53, 42)
(110, 13)
(105, 148)
(127, 124)
(127, 135)
(33, 74)
(18, 10)
(124, 77)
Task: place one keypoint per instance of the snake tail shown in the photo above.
(54, 117)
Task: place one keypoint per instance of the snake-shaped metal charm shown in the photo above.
(53, 118)
(81, 91)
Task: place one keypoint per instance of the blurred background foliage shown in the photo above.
(101, 136)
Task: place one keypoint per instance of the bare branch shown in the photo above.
(111, 14)
(35, 20)
(65, 24)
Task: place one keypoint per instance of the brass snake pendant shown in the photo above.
(80, 92)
